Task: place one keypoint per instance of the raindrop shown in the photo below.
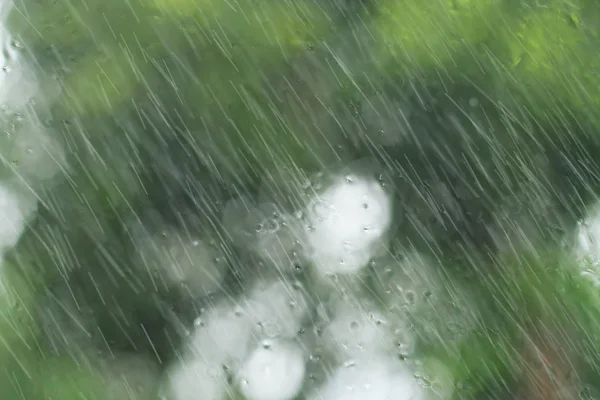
(198, 322)
(587, 393)
(272, 225)
(473, 102)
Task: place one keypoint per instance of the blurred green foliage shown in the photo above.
(174, 97)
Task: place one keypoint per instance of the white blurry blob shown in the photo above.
(221, 335)
(370, 379)
(226, 334)
(16, 209)
(356, 332)
(277, 308)
(274, 370)
(174, 259)
(196, 379)
(588, 237)
(346, 225)
(17, 83)
(587, 246)
(28, 149)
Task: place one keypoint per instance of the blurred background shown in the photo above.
(299, 199)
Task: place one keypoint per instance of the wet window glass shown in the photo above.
(299, 199)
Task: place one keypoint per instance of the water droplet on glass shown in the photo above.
(271, 225)
(266, 345)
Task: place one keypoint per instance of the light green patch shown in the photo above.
(426, 34)
(101, 86)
